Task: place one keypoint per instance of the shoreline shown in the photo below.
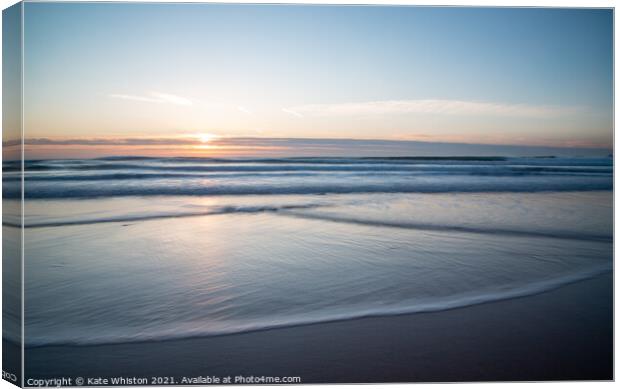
(561, 334)
(529, 291)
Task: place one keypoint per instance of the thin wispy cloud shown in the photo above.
(154, 97)
(244, 110)
(292, 112)
(436, 107)
(109, 142)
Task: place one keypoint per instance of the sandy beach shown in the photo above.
(564, 334)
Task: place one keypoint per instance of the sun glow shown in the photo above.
(206, 138)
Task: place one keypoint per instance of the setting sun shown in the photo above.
(206, 138)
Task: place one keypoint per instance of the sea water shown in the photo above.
(138, 249)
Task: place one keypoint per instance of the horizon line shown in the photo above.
(189, 140)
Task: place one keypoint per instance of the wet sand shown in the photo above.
(564, 334)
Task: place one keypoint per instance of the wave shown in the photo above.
(144, 176)
(439, 305)
(434, 185)
(292, 210)
(222, 210)
(453, 228)
(137, 161)
(285, 172)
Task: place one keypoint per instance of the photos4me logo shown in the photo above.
(9, 376)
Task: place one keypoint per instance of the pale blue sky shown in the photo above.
(508, 76)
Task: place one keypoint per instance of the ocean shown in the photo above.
(128, 249)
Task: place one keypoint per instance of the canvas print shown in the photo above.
(202, 193)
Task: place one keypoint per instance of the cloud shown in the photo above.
(369, 145)
(244, 110)
(435, 107)
(111, 142)
(155, 97)
(292, 112)
(173, 99)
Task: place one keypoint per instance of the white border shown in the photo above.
(481, 3)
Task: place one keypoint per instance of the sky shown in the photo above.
(189, 79)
